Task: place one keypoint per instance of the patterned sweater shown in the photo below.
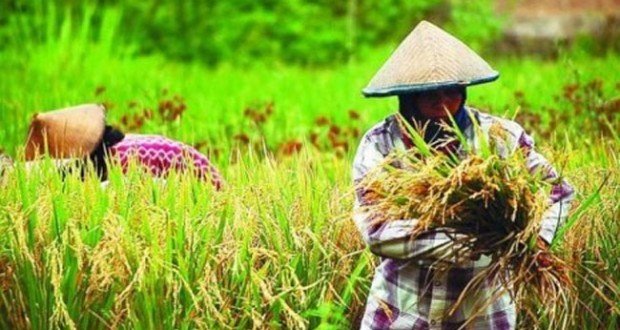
(407, 291)
(159, 155)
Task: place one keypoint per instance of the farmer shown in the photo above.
(81, 132)
(429, 72)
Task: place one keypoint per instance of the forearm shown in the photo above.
(560, 198)
(394, 239)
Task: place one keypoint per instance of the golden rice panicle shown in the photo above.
(489, 195)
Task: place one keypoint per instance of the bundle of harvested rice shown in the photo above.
(487, 201)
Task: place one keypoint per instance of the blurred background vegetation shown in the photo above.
(317, 32)
(222, 60)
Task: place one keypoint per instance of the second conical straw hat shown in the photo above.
(429, 58)
(66, 133)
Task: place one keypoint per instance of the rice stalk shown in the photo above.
(488, 202)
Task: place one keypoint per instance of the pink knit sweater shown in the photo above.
(159, 155)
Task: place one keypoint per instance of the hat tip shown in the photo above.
(36, 116)
(425, 22)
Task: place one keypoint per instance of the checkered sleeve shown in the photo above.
(392, 239)
(561, 195)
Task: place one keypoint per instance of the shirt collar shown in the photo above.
(461, 117)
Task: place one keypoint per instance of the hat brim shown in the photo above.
(415, 88)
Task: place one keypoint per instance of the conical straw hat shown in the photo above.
(68, 133)
(429, 58)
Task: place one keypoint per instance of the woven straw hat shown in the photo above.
(70, 132)
(429, 58)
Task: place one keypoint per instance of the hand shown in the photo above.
(543, 257)
(545, 261)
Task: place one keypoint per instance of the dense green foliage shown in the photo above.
(313, 32)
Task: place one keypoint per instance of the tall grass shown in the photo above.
(272, 249)
(276, 248)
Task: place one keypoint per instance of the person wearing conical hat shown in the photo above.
(81, 132)
(429, 73)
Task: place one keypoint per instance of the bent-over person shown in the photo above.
(81, 132)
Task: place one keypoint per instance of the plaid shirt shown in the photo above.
(408, 291)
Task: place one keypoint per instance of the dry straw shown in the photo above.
(486, 201)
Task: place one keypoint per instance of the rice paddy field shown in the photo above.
(277, 247)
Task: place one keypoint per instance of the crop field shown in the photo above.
(276, 247)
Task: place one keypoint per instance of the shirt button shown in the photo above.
(433, 322)
(437, 283)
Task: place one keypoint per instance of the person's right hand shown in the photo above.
(543, 257)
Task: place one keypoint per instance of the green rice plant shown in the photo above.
(175, 253)
(275, 248)
(591, 245)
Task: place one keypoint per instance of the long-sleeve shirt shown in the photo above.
(408, 291)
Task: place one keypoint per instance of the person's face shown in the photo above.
(434, 104)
